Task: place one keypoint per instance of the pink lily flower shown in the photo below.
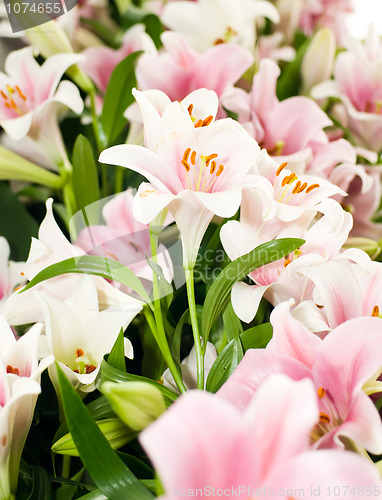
(196, 169)
(205, 446)
(78, 334)
(179, 69)
(51, 247)
(20, 374)
(358, 278)
(10, 272)
(101, 61)
(284, 278)
(286, 129)
(310, 15)
(230, 21)
(357, 82)
(340, 366)
(27, 89)
(124, 239)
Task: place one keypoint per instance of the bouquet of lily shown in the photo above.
(191, 252)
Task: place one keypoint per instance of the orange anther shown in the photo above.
(24, 97)
(220, 170)
(190, 108)
(213, 166)
(79, 352)
(324, 417)
(186, 154)
(321, 392)
(193, 157)
(185, 165)
(198, 124)
(311, 187)
(90, 368)
(3, 95)
(10, 369)
(297, 187)
(375, 312)
(207, 120)
(281, 168)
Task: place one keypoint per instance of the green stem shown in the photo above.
(96, 131)
(195, 327)
(66, 459)
(119, 179)
(157, 326)
(66, 169)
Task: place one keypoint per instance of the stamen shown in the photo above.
(186, 154)
(79, 352)
(23, 97)
(190, 108)
(324, 417)
(147, 192)
(375, 312)
(193, 157)
(90, 368)
(185, 165)
(7, 105)
(13, 104)
(10, 369)
(213, 167)
(3, 95)
(321, 392)
(297, 187)
(287, 261)
(311, 187)
(220, 170)
(301, 189)
(207, 120)
(281, 168)
(198, 124)
(10, 89)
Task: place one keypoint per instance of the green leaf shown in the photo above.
(106, 469)
(218, 295)
(118, 97)
(109, 373)
(223, 366)
(289, 82)
(257, 337)
(116, 357)
(42, 489)
(152, 23)
(85, 175)
(91, 264)
(16, 224)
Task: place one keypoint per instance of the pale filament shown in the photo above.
(287, 183)
(14, 99)
(205, 170)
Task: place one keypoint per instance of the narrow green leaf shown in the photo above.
(94, 495)
(109, 373)
(107, 470)
(257, 337)
(116, 357)
(289, 82)
(223, 366)
(219, 293)
(16, 224)
(42, 489)
(91, 264)
(118, 97)
(85, 175)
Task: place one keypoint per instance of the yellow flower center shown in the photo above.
(13, 98)
(202, 171)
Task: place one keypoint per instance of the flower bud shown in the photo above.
(113, 429)
(137, 404)
(317, 64)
